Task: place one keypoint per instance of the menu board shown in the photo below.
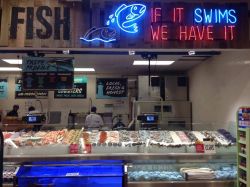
(3, 88)
(108, 88)
(47, 73)
(28, 94)
(78, 92)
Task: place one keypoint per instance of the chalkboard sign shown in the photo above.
(78, 92)
(28, 94)
(47, 73)
(108, 88)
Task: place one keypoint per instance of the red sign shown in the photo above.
(73, 149)
(88, 148)
(199, 148)
(205, 24)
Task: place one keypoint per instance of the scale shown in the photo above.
(148, 121)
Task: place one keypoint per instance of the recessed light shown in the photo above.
(13, 61)
(84, 69)
(10, 69)
(153, 63)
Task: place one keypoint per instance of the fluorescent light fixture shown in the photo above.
(153, 63)
(13, 61)
(10, 69)
(84, 69)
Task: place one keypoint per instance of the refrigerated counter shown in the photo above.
(142, 169)
(145, 161)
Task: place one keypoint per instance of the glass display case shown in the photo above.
(182, 172)
(144, 158)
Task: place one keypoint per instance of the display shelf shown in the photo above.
(243, 181)
(243, 155)
(243, 168)
(242, 142)
(243, 131)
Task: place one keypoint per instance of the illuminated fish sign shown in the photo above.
(103, 34)
(126, 17)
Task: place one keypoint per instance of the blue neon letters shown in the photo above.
(210, 16)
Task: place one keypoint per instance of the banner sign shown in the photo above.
(47, 73)
(78, 92)
(28, 94)
(108, 88)
(3, 88)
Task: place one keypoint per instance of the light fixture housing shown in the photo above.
(84, 69)
(153, 62)
(10, 69)
(13, 61)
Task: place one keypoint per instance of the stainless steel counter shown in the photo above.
(228, 183)
(178, 157)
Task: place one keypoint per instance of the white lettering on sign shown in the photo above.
(72, 174)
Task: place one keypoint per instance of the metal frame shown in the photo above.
(178, 157)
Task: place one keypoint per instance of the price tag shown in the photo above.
(88, 148)
(73, 149)
(209, 147)
(199, 148)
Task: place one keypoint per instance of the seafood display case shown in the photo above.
(147, 158)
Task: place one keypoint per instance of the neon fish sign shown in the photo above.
(103, 34)
(126, 17)
(206, 24)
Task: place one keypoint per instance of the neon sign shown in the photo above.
(209, 16)
(103, 34)
(126, 17)
(206, 30)
(175, 23)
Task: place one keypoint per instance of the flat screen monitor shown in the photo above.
(150, 118)
(33, 119)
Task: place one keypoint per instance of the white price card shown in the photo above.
(209, 147)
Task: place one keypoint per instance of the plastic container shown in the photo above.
(90, 175)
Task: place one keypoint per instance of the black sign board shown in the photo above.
(108, 88)
(78, 92)
(47, 73)
(28, 94)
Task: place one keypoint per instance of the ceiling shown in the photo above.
(119, 62)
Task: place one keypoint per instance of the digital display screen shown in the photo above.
(150, 118)
(32, 119)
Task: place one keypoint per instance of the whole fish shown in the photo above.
(104, 34)
(126, 17)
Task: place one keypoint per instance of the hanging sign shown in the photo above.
(28, 94)
(47, 73)
(164, 25)
(108, 88)
(124, 24)
(3, 88)
(78, 92)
